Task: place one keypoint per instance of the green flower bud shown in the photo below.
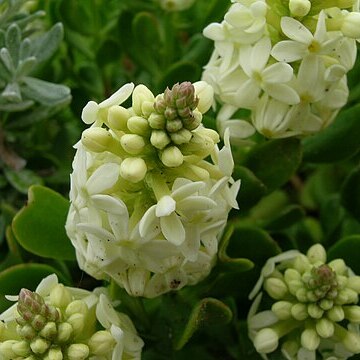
(182, 136)
(76, 307)
(27, 332)
(294, 286)
(101, 343)
(54, 354)
(353, 282)
(352, 313)
(336, 313)
(77, 322)
(78, 352)
(205, 94)
(65, 331)
(39, 345)
(301, 263)
(316, 253)
(326, 304)
(352, 342)
(117, 118)
(157, 121)
(339, 266)
(49, 331)
(291, 274)
(97, 139)
(325, 328)
(299, 311)
(132, 143)
(347, 296)
(266, 341)
(140, 95)
(351, 25)
(172, 156)
(147, 108)
(133, 169)
(60, 296)
(299, 8)
(315, 311)
(21, 348)
(138, 125)
(6, 349)
(282, 309)
(159, 139)
(38, 322)
(310, 340)
(174, 125)
(276, 288)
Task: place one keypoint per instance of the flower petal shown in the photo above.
(119, 96)
(173, 229)
(165, 206)
(277, 73)
(289, 51)
(295, 30)
(187, 190)
(89, 112)
(103, 178)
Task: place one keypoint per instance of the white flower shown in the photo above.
(86, 322)
(271, 79)
(303, 42)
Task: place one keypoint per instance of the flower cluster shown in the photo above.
(147, 203)
(58, 322)
(285, 61)
(314, 307)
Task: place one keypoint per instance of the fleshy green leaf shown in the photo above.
(337, 142)
(287, 217)
(21, 180)
(275, 161)
(12, 42)
(350, 193)
(207, 312)
(13, 279)
(348, 249)
(40, 226)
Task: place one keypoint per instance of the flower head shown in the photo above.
(59, 322)
(314, 307)
(151, 191)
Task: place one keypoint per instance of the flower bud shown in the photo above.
(353, 282)
(291, 274)
(352, 342)
(301, 263)
(77, 322)
(351, 25)
(132, 143)
(60, 296)
(21, 348)
(276, 288)
(39, 345)
(299, 311)
(336, 313)
(76, 307)
(49, 331)
(156, 121)
(140, 94)
(147, 108)
(299, 8)
(172, 156)
(6, 349)
(101, 343)
(315, 311)
(352, 313)
(65, 331)
(326, 304)
(310, 339)
(117, 118)
(38, 322)
(316, 253)
(339, 266)
(159, 139)
(181, 137)
(78, 352)
(282, 309)
(138, 125)
(98, 140)
(325, 328)
(205, 93)
(347, 296)
(133, 169)
(301, 294)
(27, 332)
(266, 341)
(54, 354)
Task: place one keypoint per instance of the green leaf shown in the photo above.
(46, 45)
(12, 93)
(28, 276)
(12, 42)
(287, 217)
(207, 312)
(25, 66)
(21, 180)
(40, 226)
(44, 92)
(337, 142)
(350, 193)
(7, 60)
(252, 189)
(348, 249)
(274, 161)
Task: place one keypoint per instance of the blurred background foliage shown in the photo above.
(55, 56)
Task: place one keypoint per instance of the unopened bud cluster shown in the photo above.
(314, 308)
(150, 190)
(60, 324)
(285, 61)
